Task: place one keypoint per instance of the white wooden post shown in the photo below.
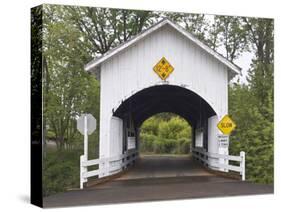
(82, 170)
(242, 165)
(85, 156)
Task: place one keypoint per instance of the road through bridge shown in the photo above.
(155, 177)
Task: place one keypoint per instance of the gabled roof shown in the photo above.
(94, 64)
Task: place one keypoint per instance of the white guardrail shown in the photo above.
(205, 157)
(109, 165)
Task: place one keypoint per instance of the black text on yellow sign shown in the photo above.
(226, 125)
(163, 68)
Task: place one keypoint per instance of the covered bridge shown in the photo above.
(162, 69)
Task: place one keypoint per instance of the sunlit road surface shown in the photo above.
(158, 178)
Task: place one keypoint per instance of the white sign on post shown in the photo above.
(223, 141)
(91, 124)
(86, 125)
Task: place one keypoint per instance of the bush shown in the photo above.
(169, 146)
(254, 133)
(162, 136)
(156, 145)
(60, 171)
(183, 146)
(147, 142)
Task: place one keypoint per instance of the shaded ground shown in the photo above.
(156, 166)
(158, 178)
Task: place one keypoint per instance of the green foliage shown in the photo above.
(36, 76)
(252, 105)
(150, 127)
(68, 90)
(61, 171)
(231, 35)
(106, 28)
(254, 132)
(197, 24)
(175, 128)
(61, 166)
(162, 136)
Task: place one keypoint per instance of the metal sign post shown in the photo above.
(85, 138)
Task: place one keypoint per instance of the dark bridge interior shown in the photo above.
(165, 98)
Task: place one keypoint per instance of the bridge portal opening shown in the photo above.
(165, 134)
(164, 99)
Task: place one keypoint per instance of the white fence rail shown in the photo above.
(105, 165)
(206, 159)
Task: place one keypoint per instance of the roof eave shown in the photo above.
(93, 65)
(90, 67)
(236, 69)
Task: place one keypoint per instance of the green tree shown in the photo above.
(261, 74)
(36, 74)
(232, 36)
(69, 90)
(254, 134)
(197, 24)
(106, 28)
(150, 126)
(251, 105)
(175, 128)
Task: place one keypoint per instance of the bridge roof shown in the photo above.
(95, 63)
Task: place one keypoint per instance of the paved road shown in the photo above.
(158, 178)
(151, 166)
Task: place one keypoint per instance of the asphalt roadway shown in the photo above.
(158, 178)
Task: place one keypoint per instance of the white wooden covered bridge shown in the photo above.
(162, 69)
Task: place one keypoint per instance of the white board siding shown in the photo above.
(213, 131)
(93, 65)
(132, 70)
(116, 136)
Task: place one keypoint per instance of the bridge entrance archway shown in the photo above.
(163, 69)
(164, 98)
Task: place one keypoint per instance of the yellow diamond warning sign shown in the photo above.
(226, 125)
(163, 68)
